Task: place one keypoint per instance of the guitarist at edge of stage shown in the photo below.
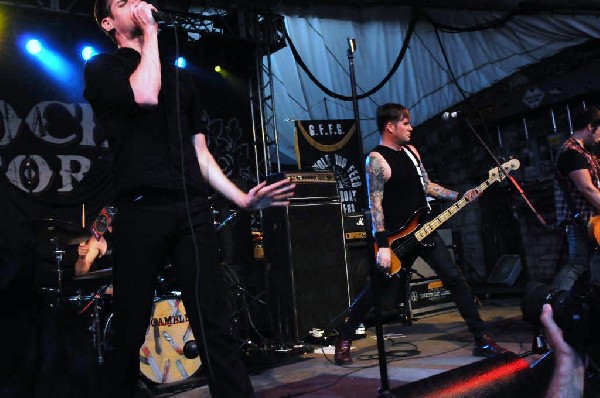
(577, 199)
(398, 186)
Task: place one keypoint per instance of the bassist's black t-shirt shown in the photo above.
(403, 193)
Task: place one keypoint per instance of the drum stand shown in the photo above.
(245, 294)
(243, 300)
(98, 335)
(58, 256)
(57, 291)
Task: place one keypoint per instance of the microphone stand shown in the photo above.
(508, 176)
(384, 390)
(518, 188)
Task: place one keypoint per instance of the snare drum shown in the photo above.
(161, 356)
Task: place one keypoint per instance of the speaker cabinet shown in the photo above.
(506, 271)
(307, 276)
(427, 294)
(358, 266)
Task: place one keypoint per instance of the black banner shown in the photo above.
(53, 157)
(333, 145)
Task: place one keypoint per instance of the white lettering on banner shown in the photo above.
(87, 127)
(348, 198)
(66, 170)
(38, 122)
(340, 161)
(11, 123)
(23, 175)
(348, 208)
(347, 177)
(348, 195)
(354, 176)
(323, 130)
(45, 120)
(321, 164)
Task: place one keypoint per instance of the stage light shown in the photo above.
(88, 52)
(218, 69)
(181, 62)
(53, 63)
(33, 46)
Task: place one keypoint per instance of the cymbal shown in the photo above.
(100, 274)
(63, 233)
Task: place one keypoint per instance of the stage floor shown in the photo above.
(441, 340)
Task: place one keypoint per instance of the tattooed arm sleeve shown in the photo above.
(375, 182)
(435, 190)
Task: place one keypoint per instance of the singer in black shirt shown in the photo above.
(154, 134)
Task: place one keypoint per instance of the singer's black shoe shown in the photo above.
(485, 346)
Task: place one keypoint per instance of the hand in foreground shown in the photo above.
(384, 258)
(263, 195)
(471, 194)
(569, 370)
(554, 335)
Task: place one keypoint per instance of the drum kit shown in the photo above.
(60, 235)
(168, 353)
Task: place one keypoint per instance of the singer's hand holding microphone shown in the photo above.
(150, 10)
(143, 15)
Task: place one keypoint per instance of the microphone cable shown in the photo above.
(187, 202)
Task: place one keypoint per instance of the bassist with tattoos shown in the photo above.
(398, 187)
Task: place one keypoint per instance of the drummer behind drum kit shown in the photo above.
(169, 352)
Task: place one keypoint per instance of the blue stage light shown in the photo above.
(88, 52)
(56, 65)
(33, 46)
(181, 62)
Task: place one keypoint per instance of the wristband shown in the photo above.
(381, 239)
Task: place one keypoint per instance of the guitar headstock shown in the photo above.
(496, 175)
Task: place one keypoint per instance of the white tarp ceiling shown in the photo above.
(423, 81)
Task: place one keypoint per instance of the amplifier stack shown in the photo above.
(304, 249)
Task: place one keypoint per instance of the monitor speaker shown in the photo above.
(307, 276)
(506, 271)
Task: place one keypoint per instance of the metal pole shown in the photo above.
(273, 116)
(384, 390)
(254, 132)
(261, 109)
(569, 119)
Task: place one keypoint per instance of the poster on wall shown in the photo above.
(332, 145)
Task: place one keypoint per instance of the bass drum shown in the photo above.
(161, 356)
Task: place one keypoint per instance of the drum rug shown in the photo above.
(511, 330)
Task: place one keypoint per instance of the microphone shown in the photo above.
(451, 115)
(162, 16)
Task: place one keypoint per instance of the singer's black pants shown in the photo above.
(439, 259)
(146, 231)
